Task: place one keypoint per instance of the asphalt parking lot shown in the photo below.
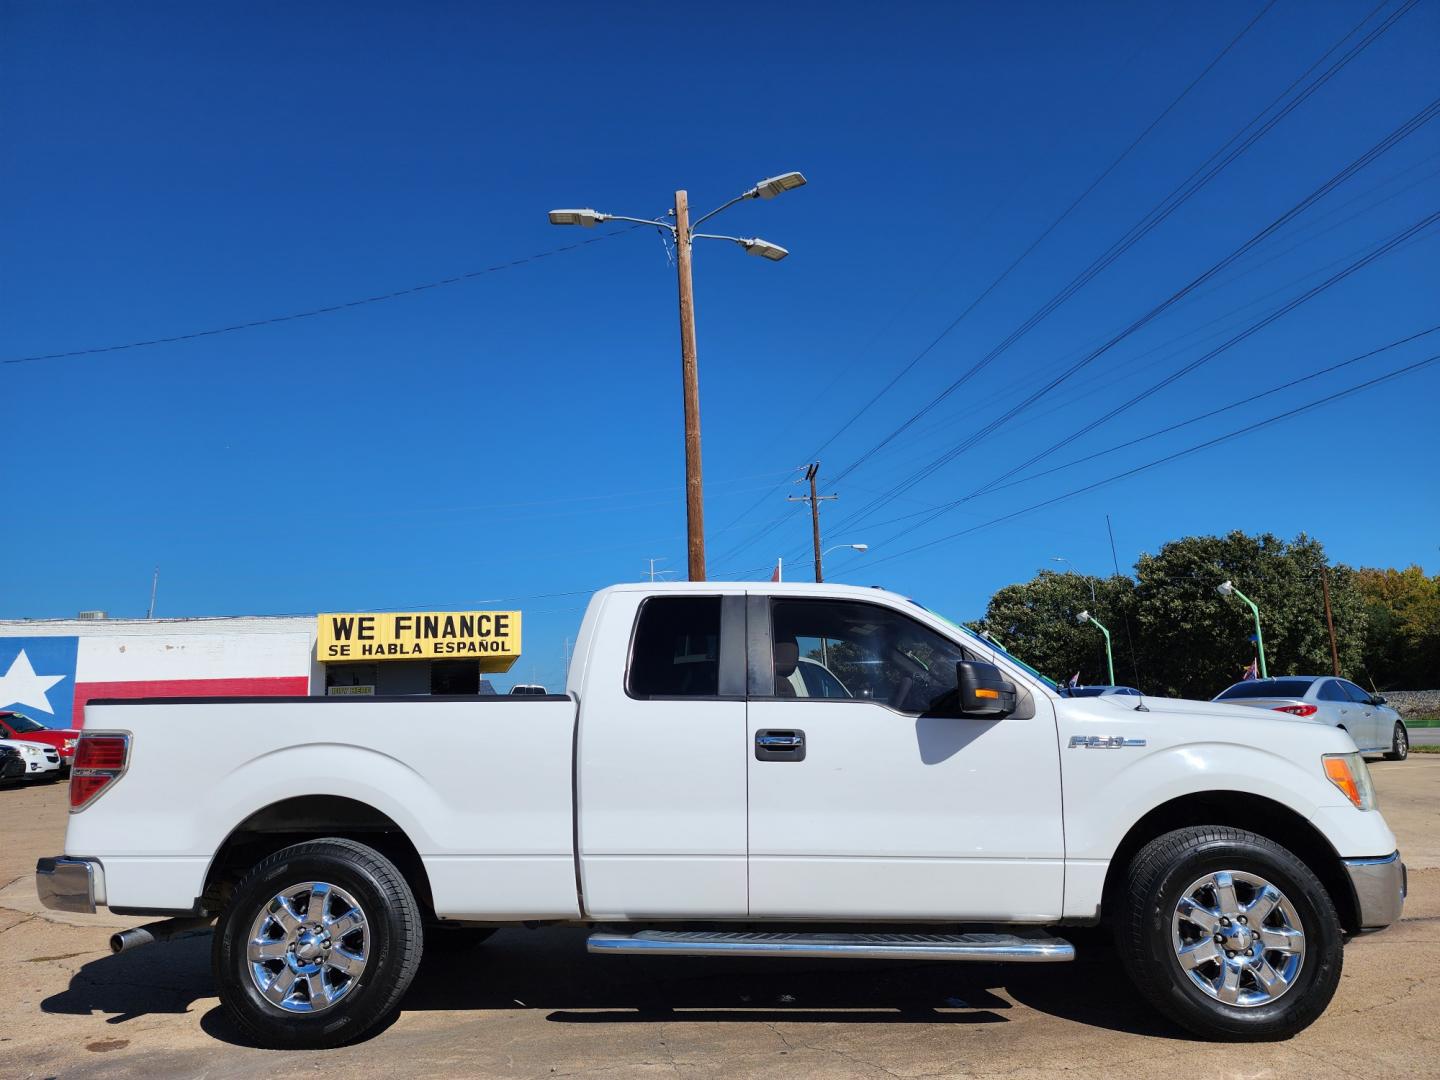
(533, 1004)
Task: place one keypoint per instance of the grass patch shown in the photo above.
(1424, 721)
(1424, 749)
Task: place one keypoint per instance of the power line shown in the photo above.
(1168, 429)
(1254, 328)
(1409, 127)
(1386, 247)
(1321, 373)
(1012, 266)
(328, 310)
(1288, 414)
(1162, 210)
(1048, 229)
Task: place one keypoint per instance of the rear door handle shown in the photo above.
(775, 744)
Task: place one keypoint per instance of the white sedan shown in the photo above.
(1374, 725)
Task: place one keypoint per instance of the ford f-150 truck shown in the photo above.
(737, 769)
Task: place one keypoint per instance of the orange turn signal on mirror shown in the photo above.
(988, 693)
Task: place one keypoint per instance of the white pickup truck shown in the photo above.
(737, 769)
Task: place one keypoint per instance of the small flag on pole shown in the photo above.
(1251, 672)
(775, 576)
(1075, 679)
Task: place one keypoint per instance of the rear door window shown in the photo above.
(676, 650)
(1332, 691)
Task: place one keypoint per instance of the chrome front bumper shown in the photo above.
(66, 884)
(1380, 886)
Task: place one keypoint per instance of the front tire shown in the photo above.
(1399, 743)
(1229, 934)
(317, 946)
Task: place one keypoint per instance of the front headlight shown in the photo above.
(1349, 773)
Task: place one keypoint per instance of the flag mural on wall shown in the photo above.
(50, 678)
(37, 678)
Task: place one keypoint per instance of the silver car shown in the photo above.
(1375, 726)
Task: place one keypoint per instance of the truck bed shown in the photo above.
(482, 786)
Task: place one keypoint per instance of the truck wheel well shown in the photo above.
(1238, 810)
(310, 817)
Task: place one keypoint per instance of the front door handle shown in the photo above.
(776, 744)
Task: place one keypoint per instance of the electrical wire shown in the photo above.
(1004, 274)
(327, 310)
(1186, 190)
(1288, 414)
(1405, 130)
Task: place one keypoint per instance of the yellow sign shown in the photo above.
(491, 637)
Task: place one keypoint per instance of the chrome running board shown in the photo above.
(980, 948)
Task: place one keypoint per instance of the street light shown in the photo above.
(683, 233)
(1088, 579)
(844, 547)
(1085, 617)
(1227, 588)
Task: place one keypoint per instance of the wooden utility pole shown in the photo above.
(1329, 618)
(690, 377)
(814, 500)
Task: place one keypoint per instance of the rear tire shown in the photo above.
(317, 946)
(1399, 743)
(1208, 933)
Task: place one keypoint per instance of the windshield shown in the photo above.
(23, 724)
(990, 644)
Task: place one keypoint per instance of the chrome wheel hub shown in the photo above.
(308, 947)
(1238, 938)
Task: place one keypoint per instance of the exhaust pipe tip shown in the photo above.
(156, 931)
(130, 939)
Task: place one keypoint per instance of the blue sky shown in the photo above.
(515, 438)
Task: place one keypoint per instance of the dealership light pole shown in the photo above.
(683, 233)
(1226, 588)
(1085, 617)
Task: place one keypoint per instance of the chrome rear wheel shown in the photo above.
(308, 947)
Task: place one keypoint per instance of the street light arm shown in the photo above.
(751, 194)
(657, 222)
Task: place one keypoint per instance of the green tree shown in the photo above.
(1194, 642)
(1036, 620)
(1402, 643)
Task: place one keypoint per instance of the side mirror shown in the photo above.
(1378, 699)
(983, 691)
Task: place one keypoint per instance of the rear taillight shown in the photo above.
(100, 759)
(1297, 710)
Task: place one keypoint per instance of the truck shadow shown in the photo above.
(549, 971)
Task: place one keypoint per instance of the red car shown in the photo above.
(14, 725)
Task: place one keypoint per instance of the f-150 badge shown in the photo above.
(1103, 742)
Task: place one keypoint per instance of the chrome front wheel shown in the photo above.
(1238, 938)
(308, 947)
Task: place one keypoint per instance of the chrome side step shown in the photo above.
(981, 948)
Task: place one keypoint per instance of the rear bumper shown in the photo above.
(66, 884)
(1380, 886)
